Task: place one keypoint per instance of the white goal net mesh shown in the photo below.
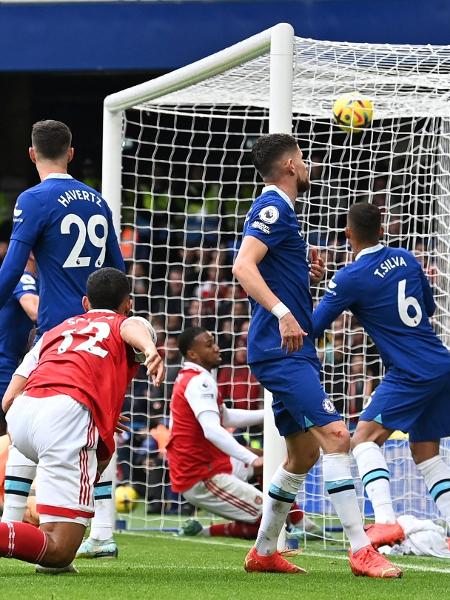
(187, 185)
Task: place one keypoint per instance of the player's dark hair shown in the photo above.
(107, 288)
(187, 337)
(365, 221)
(268, 149)
(51, 139)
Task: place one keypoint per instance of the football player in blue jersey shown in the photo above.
(387, 290)
(69, 228)
(66, 224)
(17, 319)
(272, 266)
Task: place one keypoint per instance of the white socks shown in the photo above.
(102, 524)
(339, 484)
(18, 480)
(437, 479)
(374, 474)
(283, 489)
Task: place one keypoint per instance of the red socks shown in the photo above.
(22, 541)
(295, 514)
(238, 529)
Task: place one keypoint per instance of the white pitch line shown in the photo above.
(244, 546)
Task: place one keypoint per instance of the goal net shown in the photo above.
(186, 185)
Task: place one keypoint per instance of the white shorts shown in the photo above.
(59, 435)
(228, 497)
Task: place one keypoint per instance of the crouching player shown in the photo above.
(206, 464)
(64, 420)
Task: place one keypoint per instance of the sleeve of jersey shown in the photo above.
(113, 256)
(338, 297)
(26, 285)
(428, 299)
(222, 439)
(29, 219)
(12, 268)
(30, 361)
(201, 394)
(270, 223)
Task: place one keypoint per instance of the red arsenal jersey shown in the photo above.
(192, 458)
(86, 358)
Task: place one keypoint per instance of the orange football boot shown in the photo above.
(384, 534)
(274, 563)
(367, 562)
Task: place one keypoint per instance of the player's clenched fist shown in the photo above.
(155, 365)
(291, 333)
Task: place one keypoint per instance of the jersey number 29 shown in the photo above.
(404, 303)
(74, 259)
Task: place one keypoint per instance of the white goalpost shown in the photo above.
(178, 177)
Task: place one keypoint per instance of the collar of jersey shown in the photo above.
(370, 250)
(190, 365)
(58, 176)
(100, 310)
(274, 188)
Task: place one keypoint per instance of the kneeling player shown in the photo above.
(200, 447)
(389, 293)
(65, 418)
(207, 465)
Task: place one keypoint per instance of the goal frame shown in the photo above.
(279, 41)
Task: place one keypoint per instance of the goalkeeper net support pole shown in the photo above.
(177, 174)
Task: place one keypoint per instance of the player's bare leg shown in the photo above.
(435, 472)
(52, 545)
(374, 474)
(302, 454)
(334, 439)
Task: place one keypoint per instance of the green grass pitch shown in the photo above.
(160, 566)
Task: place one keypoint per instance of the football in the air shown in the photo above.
(353, 113)
(126, 497)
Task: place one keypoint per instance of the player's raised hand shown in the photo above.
(291, 333)
(317, 268)
(155, 365)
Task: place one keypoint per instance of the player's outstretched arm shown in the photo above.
(238, 417)
(428, 298)
(338, 297)
(222, 439)
(140, 335)
(245, 269)
(12, 268)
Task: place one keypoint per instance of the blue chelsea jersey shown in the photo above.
(285, 269)
(69, 227)
(15, 327)
(387, 290)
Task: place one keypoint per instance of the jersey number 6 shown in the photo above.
(404, 303)
(74, 259)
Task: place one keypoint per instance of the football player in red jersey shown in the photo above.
(74, 381)
(206, 464)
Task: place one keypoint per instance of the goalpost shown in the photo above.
(178, 177)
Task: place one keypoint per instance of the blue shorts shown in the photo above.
(299, 400)
(420, 408)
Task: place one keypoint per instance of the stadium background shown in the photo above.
(60, 60)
